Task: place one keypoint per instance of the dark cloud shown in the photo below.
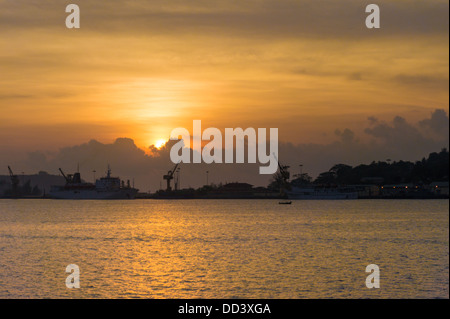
(132, 163)
(423, 81)
(397, 140)
(15, 96)
(401, 137)
(372, 120)
(355, 76)
(262, 18)
(347, 136)
(438, 123)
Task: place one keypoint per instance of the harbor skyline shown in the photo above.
(113, 90)
(394, 140)
(420, 179)
(223, 151)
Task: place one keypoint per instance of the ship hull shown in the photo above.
(94, 194)
(321, 194)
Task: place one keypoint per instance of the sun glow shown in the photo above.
(160, 143)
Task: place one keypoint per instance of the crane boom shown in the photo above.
(283, 169)
(10, 171)
(14, 182)
(14, 178)
(64, 175)
(173, 171)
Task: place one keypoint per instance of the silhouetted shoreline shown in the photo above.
(425, 179)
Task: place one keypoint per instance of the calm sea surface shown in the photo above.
(224, 248)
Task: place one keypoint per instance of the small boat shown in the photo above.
(285, 203)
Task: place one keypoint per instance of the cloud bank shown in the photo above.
(395, 140)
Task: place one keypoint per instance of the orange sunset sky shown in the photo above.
(138, 69)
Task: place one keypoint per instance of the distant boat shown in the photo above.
(104, 188)
(322, 193)
(285, 203)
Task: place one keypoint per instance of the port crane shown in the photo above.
(64, 175)
(14, 182)
(71, 178)
(68, 178)
(283, 170)
(169, 176)
(283, 176)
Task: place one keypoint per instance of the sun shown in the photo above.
(160, 143)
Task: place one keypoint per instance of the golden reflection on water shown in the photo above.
(224, 249)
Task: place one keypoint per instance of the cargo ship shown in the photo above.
(107, 187)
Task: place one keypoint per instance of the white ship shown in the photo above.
(321, 193)
(104, 188)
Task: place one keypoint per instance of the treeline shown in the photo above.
(435, 168)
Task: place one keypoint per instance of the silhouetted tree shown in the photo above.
(326, 178)
(301, 180)
(433, 168)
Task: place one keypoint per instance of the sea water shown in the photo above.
(224, 248)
